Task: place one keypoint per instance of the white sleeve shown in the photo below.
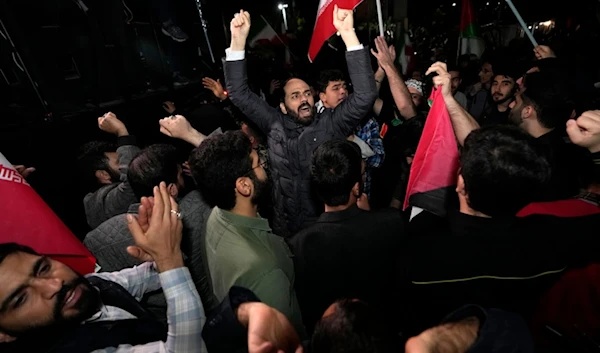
(231, 55)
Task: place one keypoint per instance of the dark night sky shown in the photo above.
(531, 10)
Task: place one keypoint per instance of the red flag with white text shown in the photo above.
(324, 27)
(27, 220)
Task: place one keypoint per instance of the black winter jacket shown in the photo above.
(291, 145)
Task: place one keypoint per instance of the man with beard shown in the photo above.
(46, 307)
(295, 130)
(240, 248)
(504, 88)
(542, 108)
(103, 168)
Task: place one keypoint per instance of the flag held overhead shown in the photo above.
(324, 27)
(469, 41)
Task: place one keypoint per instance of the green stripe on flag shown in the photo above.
(469, 31)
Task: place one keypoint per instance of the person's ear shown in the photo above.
(244, 186)
(322, 96)
(6, 338)
(356, 190)
(173, 190)
(283, 108)
(527, 112)
(460, 186)
(103, 177)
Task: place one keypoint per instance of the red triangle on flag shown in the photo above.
(435, 166)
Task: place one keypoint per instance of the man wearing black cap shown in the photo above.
(502, 93)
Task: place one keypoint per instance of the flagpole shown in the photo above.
(522, 23)
(380, 17)
(204, 27)
(459, 48)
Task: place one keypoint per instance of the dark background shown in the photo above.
(54, 39)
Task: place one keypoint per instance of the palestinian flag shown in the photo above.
(324, 28)
(469, 41)
(434, 170)
(467, 21)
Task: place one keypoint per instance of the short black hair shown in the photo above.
(92, 157)
(217, 164)
(452, 67)
(254, 129)
(7, 249)
(336, 168)
(154, 164)
(354, 327)
(503, 170)
(507, 70)
(547, 95)
(328, 76)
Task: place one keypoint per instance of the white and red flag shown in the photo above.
(27, 220)
(324, 28)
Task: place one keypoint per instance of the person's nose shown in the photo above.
(48, 287)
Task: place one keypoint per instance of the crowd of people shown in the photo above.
(285, 232)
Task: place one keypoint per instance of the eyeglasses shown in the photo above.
(261, 164)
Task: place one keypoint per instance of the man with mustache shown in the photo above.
(503, 90)
(295, 130)
(45, 306)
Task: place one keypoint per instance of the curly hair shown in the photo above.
(217, 164)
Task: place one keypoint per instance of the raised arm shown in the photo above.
(236, 78)
(379, 77)
(385, 56)
(113, 201)
(349, 113)
(462, 122)
(177, 126)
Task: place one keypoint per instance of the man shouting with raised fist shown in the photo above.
(295, 130)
